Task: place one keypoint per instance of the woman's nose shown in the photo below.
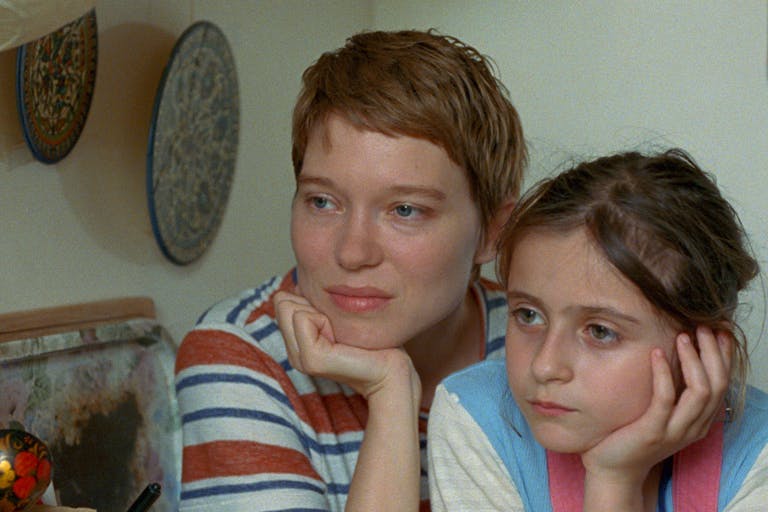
(357, 242)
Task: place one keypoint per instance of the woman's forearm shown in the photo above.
(387, 473)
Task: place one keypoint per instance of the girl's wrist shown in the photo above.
(608, 492)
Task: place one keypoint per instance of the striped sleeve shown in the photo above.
(494, 307)
(249, 433)
(244, 442)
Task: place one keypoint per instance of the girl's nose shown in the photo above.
(553, 359)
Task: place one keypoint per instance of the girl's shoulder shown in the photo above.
(751, 426)
(482, 390)
(487, 378)
(745, 454)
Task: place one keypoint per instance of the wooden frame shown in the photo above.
(73, 317)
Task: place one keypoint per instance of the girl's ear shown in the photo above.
(486, 249)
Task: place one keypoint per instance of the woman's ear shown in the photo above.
(486, 249)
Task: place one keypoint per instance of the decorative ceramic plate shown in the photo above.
(193, 143)
(55, 78)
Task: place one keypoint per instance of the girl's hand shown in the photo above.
(622, 461)
(312, 350)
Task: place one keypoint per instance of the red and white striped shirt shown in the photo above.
(259, 435)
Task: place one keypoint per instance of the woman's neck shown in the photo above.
(449, 346)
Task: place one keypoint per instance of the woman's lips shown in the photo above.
(358, 300)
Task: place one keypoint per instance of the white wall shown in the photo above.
(79, 230)
(593, 77)
(588, 77)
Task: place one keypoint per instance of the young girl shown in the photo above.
(625, 379)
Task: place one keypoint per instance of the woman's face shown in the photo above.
(579, 341)
(385, 233)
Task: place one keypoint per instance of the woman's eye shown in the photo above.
(320, 202)
(527, 316)
(602, 333)
(406, 211)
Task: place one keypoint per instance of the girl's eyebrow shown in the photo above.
(609, 311)
(518, 294)
(584, 309)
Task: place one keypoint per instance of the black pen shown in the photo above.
(147, 497)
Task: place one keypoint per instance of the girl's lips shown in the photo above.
(358, 300)
(549, 408)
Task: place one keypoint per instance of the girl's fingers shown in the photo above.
(706, 375)
(726, 343)
(662, 403)
(715, 354)
(696, 393)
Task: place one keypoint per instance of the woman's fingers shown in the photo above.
(287, 305)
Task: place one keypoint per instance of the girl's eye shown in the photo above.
(602, 333)
(527, 316)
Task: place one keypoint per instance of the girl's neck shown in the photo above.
(449, 346)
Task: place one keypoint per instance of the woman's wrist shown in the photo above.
(400, 384)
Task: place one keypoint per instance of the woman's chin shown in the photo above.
(362, 337)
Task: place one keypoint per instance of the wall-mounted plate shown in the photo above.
(55, 79)
(193, 143)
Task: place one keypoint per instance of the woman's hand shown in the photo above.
(312, 349)
(618, 466)
(387, 473)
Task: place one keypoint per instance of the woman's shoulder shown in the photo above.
(244, 323)
(248, 305)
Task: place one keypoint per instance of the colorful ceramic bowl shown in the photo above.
(25, 470)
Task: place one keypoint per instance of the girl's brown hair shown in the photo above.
(662, 222)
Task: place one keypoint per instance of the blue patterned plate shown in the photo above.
(193, 143)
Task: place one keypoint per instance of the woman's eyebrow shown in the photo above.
(316, 180)
(420, 191)
(410, 190)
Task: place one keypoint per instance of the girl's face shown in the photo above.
(385, 233)
(579, 341)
